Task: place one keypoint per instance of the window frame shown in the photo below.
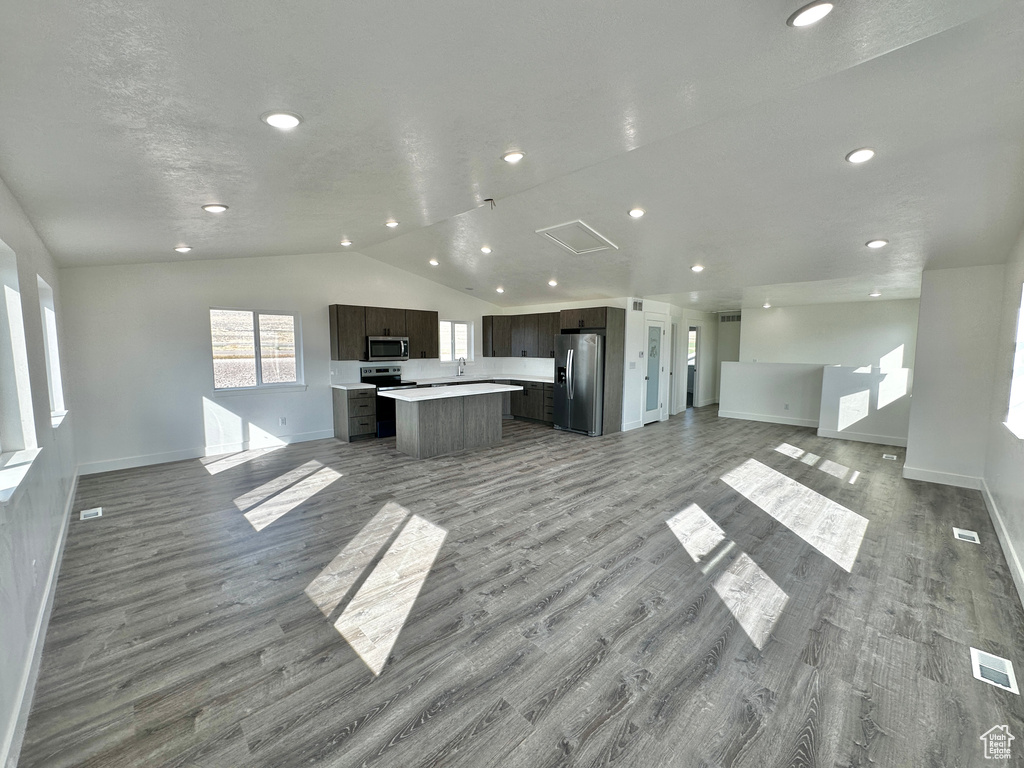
(51, 352)
(451, 340)
(300, 379)
(1014, 420)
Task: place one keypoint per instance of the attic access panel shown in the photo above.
(577, 237)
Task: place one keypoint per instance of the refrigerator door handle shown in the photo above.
(569, 374)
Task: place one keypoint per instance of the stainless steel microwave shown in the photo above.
(380, 348)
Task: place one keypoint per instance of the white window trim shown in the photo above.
(1014, 421)
(451, 340)
(299, 385)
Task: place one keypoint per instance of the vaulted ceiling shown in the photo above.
(119, 119)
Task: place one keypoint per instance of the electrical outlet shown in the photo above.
(282, 422)
(787, 406)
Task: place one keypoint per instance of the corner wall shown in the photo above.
(34, 521)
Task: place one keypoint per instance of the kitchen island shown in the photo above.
(436, 420)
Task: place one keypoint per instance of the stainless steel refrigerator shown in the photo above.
(579, 383)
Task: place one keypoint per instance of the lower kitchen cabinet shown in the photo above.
(355, 414)
(529, 403)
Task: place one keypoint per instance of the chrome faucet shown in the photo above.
(462, 366)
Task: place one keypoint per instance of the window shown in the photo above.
(253, 348)
(1015, 414)
(17, 422)
(456, 340)
(49, 317)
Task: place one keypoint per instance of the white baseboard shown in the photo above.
(1016, 571)
(769, 419)
(130, 462)
(628, 425)
(942, 478)
(11, 747)
(863, 437)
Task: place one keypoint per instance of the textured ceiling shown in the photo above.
(120, 119)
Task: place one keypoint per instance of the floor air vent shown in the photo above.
(965, 535)
(889, 456)
(994, 670)
(89, 514)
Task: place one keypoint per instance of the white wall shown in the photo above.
(865, 404)
(1003, 480)
(857, 334)
(957, 341)
(707, 357)
(728, 349)
(33, 522)
(139, 350)
(781, 393)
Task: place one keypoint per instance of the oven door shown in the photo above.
(387, 348)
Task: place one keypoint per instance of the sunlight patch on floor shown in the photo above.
(279, 502)
(829, 467)
(831, 528)
(217, 464)
(373, 620)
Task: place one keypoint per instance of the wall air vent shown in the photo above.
(577, 237)
(89, 514)
(965, 535)
(638, 305)
(729, 318)
(994, 670)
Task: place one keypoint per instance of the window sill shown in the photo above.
(1016, 429)
(14, 465)
(57, 418)
(264, 390)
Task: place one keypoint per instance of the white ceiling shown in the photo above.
(119, 119)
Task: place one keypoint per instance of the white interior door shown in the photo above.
(654, 395)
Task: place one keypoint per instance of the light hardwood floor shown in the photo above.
(563, 621)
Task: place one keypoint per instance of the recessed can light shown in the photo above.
(636, 213)
(552, 283)
(767, 305)
(346, 242)
(861, 155)
(513, 156)
(499, 289)
(697, 268)
(392, 223)
(876, 243)
(810, 14)
(433, 262)
(485, 249)
(183, 248)
(875, 294)
(215, 208)
(283, 121)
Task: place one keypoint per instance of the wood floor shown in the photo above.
(562, 623)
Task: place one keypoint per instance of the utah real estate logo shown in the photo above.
(997, 742)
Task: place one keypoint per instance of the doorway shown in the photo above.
(653, 395)
(692, 379)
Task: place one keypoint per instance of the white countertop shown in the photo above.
(439, 393)
(354, 385)
(485, 377)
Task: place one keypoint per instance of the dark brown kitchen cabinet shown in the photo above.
(348, 332)
(548, 329)
(381, 321)
(587, 317)
(422, 328)
(497, 335)
(524, 335)
(529, 403)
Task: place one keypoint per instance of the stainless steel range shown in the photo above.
(385, 378)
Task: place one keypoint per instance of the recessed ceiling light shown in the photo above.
(183, 248)
(499, 289)
(284, 121)
(513, 156)
(767, 305)
(636, 213)
(433, 262)
(346, 242)
(485, 249)
(876, 243)
(392, 223)
(696, 268)
(215, 208)
(861, 155)
(810, 14)
(552, 283)
(875, 294)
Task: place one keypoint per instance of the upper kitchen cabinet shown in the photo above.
(524, 335)
(548, 329)
(586, 318)
(422, 328)
(497, 335)
(348, 332)
(381, 321)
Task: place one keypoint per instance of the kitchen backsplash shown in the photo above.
(347, 371)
